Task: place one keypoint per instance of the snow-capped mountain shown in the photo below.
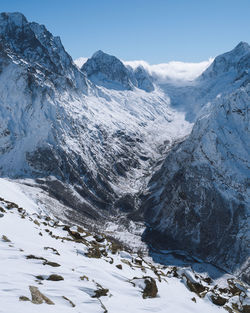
(86, 144)
(227, 73)
(34, 48)
(199, 200)
(108, 71)
(144, 81)
(108, 139)
(234, 63)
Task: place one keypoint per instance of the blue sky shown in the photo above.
(153, 30)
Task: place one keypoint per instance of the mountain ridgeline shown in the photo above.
(108, 71)
(109, 140)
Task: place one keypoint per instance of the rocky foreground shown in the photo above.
(49, 265)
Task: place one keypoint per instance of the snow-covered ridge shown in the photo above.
(63, 129)
(108, 71)
(34, 43)
(236, 60)
(201, 193)
(47, 265)
(93, 137)
(174, 71)
(227, 73)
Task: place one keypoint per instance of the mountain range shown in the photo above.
(107, 143)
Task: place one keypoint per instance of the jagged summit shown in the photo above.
(33, 43)
(108, 71)
(234, 62)
(144, 81)
(96, 151)
(242, 46)
(100, 54)
(199, 198)
(235, 55)
(50, 127)
(15, 18)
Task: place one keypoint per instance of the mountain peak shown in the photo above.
(239, 51)
(236, 53)
(98, 54)
(242, 46)
(106, 58)
(33, 43)
(103, 58)
(15, 18)
(144, 81)
(231, 63)
(108, 71)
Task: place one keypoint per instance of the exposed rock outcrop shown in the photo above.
(199, 200)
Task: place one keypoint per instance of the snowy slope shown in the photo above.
(35, 245)
(227, 73)
(199, 200)
(90, 144)
(92, 138)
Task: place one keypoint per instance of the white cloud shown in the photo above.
(174, 70)
(165, 72)
(80, 61)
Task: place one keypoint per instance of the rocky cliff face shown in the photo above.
(144, 81)
(84, 144)
(94, 137)
(108, 71)
(35, 48)
(234, 63)
(199, 200)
